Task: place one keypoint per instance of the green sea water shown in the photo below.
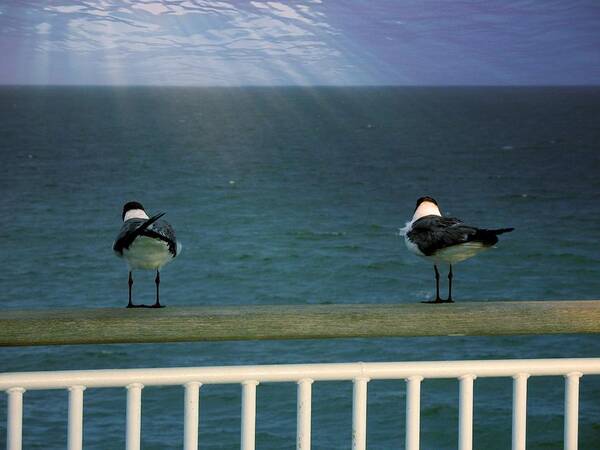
(295, 196)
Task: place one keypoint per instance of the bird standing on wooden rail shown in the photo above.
(444, 240)
(146, 243)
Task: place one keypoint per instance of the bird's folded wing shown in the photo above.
(164, 231)
(433, 233)
(132, 229)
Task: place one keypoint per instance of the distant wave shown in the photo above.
(315, 235)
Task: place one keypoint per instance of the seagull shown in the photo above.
(444, 240)
(146, 243)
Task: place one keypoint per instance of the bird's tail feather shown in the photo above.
(489, 237)
(502, 230)
(149, 222)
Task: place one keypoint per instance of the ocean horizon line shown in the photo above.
(303, 86)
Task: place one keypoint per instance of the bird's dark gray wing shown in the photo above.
(163, 230)
(433, 233)
(132, 229)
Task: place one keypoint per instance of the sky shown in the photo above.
(311, 42)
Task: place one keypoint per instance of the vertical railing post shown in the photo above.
(303, 414)
(134, 416)
(413, 412)
(75, 424)
(14, 419)
(465, 419)
(571, 410)
(359, 414)
(191, 414)
(519, 414)
(248, 415)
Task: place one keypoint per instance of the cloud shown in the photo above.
(198, 42)
(65, 8)
(152, 8)
(43, 28)
(279, 42)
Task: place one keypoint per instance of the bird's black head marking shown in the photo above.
(426, 199)
(131, 205)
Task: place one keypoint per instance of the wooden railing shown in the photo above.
(112, 325)
(213, 323)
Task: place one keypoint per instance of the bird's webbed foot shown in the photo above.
(157, 305)
(438, 301)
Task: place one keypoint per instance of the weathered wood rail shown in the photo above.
(212, 323)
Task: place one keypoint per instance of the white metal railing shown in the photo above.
(134, 380)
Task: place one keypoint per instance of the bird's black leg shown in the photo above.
(130, 304)
(437, 284)
(437, 287)
(157, 281)
(450, 276)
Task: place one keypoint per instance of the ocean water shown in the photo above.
(295, 196)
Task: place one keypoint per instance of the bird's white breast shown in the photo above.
(147, 253)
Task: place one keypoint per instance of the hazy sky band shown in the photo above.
(188, 42)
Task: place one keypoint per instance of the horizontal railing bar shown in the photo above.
(297, 372)
(212, 323)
